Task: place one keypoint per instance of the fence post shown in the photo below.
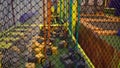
(12, 7)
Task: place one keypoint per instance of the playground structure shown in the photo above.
(59, 34)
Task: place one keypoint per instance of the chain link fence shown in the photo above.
(59, 34)
(99, 32)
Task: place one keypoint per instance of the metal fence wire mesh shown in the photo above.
(59, 34)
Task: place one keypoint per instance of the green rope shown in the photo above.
(65, 7)
(70, 19)
(60, 9)
(67, 2)
(78, 23)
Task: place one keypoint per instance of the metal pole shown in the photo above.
(44, 27)
(12, 7)
(78, 22)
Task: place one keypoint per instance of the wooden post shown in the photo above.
(49, 4)
(47, 20)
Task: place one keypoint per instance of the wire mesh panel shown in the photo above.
(99, 33)
(59, 34)
(5, 15)
(19, 20)
(35, 34)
